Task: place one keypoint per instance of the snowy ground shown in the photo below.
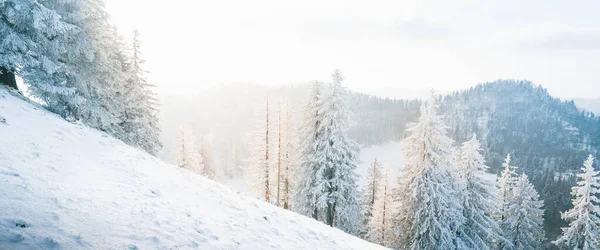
(66, 186)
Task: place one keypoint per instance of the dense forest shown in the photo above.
(546, 137)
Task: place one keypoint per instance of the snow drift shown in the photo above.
(64, 185)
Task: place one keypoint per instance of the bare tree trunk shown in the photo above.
(267, 188)
(286, 185)
(8, 78)
(279, 159)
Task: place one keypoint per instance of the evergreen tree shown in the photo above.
(506, 183)
(370, 190)
(187, 155)
(337, 190)
(379, 228)
(139, 118)
(328, 184)
(207, 160)
(430, 212)
(478, 197)
(304, 197)
(31, 32)
(524, 224)
(583, 232)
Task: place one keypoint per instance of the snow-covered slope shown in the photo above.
(66, 186)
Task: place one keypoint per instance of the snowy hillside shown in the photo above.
(71, 187)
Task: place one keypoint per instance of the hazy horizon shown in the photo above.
(403, 44)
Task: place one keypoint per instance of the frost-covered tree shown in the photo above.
(258, 171)
(524, 225)
(31, 47)
(95, 65)
(506, 183)
(336, 154)
(478, 196)
(139, 119)
(304, 196)
(327, 188)
(379, 228)
(208, 160)
(583, 232)
(430, 212)
(370, 190)
(187, 155)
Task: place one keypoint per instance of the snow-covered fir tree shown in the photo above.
(478, 196)
(208, 160)
(31, 47)
(327, 188)
(430, 212)
(95, 66)
(336, 154)
(304, 196)
(380, 229)
(187, 155)
(139, 118)
(583, 232)
(258, 172)
(523, 226)
(506, 183)
(370, 190)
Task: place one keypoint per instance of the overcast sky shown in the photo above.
(378, 44)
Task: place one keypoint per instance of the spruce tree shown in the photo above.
(430, 212)
(208, 160)
(370, 191)
(31, 47)
(304, 196)
(506, 183)
(523, 226)
(139, 116)
(478, 196)
(583, 232)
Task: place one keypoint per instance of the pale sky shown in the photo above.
(378, 44)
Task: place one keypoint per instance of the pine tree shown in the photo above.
(372, 186)
(524, 224)
(370, 190)
(31, 32)
(379, 228)
(336, 188)
(187, 155)
(583, 232)
(327, 188)
(506, 183)
(304, 196)
(139, 116)
(258, 171)
(430, 212)
(207, 160)
(478, 197)
(94, 65)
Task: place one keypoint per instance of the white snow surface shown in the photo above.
(66, 186)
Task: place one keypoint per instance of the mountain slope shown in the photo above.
(67, 186)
